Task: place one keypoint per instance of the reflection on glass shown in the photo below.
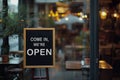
(13, 6)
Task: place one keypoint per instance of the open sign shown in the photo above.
(39, 47)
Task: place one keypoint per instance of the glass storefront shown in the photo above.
(71, 21)
(86, 35)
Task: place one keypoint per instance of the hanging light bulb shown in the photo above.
(115, 15)
(103, 14)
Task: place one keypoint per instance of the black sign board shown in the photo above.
(39, 47)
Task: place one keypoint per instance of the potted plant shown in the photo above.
(12, 23)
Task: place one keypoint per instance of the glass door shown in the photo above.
(109, 39)
(76, 37)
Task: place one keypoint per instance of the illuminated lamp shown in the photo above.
(103, 14)
(115, 15)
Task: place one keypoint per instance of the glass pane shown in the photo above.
(109, 38)
(71, 22)
(13, 6)
(70, 18)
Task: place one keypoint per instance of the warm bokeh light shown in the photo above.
(116, 15)
(63, 15)
(54, 15)
(103, 14)
(85, 16)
